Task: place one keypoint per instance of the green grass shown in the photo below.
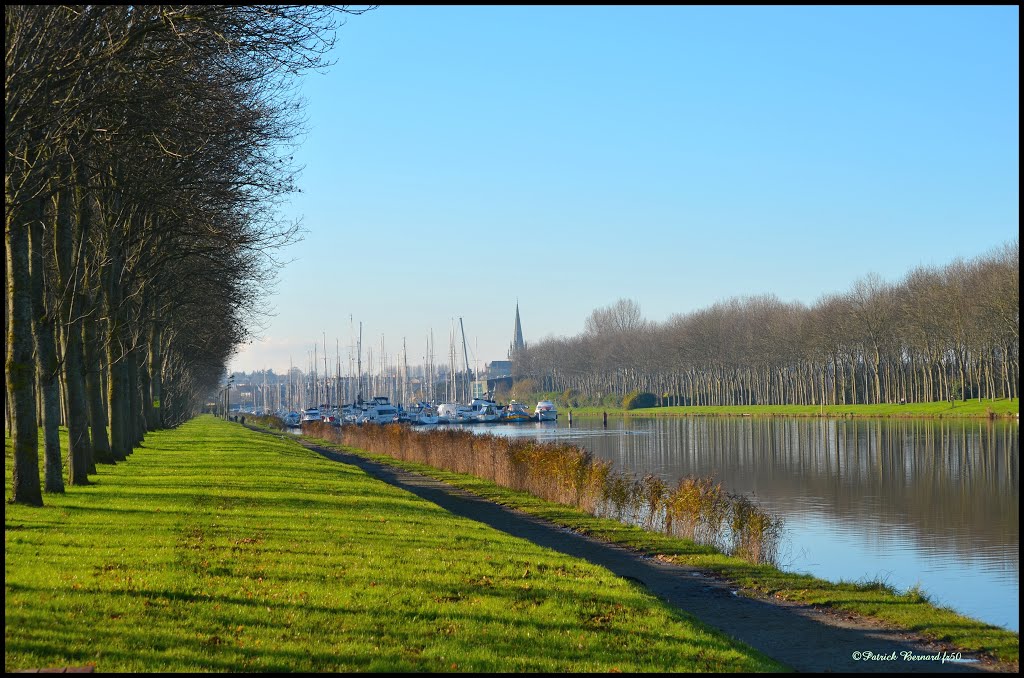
(910, 610)
(215, 548)
(960, 409)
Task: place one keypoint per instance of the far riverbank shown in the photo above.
(958, 409)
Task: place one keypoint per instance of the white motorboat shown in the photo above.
(350, 413)
(310, 415)
(423, 413)
(378, 411)
(487, 413)
(427, 417)
(546, 411)
(485, 409)
(454, 413)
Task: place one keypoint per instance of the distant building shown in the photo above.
(499, 368)
(479, 388)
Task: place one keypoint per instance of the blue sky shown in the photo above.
(459, 159)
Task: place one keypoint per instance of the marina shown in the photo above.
(380, 410)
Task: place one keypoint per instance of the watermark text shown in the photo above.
(907, 656)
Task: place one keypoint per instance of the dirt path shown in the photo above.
(806, 639)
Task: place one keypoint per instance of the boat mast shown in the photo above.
(452, 395)
(465, 357)
(351, 350)
(430, 357)
(370, 377)
(405, 373)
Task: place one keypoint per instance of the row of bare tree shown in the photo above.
(940, 333)
(146, 149)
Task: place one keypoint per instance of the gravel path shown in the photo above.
(806, 639)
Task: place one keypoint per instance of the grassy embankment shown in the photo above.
(215, 548)
(910, 610)
(960, 409)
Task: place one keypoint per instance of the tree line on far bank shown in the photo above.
(146, 147)
(941, 333)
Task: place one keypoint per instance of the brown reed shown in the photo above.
(697, 508)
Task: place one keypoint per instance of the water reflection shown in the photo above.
(912, 502)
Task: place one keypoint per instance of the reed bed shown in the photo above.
(695, 508)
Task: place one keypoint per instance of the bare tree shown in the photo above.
(938, 333)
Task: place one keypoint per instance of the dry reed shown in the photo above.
(697, 509)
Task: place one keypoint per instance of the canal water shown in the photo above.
(926, 503)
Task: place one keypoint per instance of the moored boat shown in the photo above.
(423, 413)
(487, 413)
(546, 411)
(378, 411)
(350, 413)
(454, 413)
(485, 409)
(516, 411)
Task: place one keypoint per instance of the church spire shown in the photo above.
(517, 335)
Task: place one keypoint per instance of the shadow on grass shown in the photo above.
(221, 632)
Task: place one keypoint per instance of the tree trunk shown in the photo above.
(117, 401)
(118, 396)
(47, 366)
(94, 394)
(20, 368)
(79, 444)
(137, 420)
(155, 368)
(65, 243)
